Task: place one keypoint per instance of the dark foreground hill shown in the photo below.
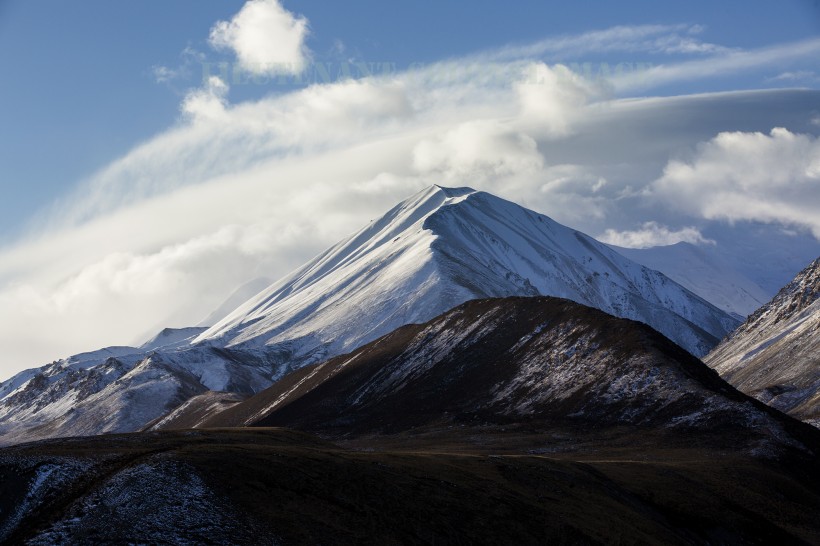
(273, 486)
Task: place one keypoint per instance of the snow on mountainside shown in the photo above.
(445, 246)
(775, 354)
(704, 272)
(430, 253)
(119, 389)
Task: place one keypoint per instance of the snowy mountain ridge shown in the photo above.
(430, 253)
(445, 246)
(121, 389)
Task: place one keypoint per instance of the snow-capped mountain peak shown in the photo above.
(430, 253)
(444, 246)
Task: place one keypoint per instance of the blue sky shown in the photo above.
(79, 88)
(139, 193)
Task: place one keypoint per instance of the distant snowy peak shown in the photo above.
(237, 298)
(703, 271)
(444, 246)
(122, 389)
(172, 338)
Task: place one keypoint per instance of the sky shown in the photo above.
(154, 156)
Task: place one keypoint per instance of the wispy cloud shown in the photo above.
(722, 65)
(190, 62)
(653, 234)
(656, 39)
(797, 76)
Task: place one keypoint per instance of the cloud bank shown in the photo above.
(738, 176)
(236, 191)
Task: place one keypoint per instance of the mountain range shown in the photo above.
(439, 248)
(461, 370)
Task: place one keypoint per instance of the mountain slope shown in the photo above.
(543, 362)
(172, 338)
(704, 272)
(440, 248)
(775, 354)
(120, 389)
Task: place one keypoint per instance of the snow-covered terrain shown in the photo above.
(775, 354)
(445, 246)
(120, 389)
(433, 251)
(705, 272)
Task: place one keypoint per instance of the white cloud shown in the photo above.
(189, 58)
(477, 150)
(236, 191)
(125, 294)
(163, 74)
(553, 97)
(266, 38)
(653, 39)
(799, 75)
(216, 138)
(761, 177)
(653, 234)
(208, 103)
(719, 65)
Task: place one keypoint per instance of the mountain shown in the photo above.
(440, 248)
(705, 272)
(121, 389)
(434, 251)
(539, 361)
(775, 355)
(518, 420)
